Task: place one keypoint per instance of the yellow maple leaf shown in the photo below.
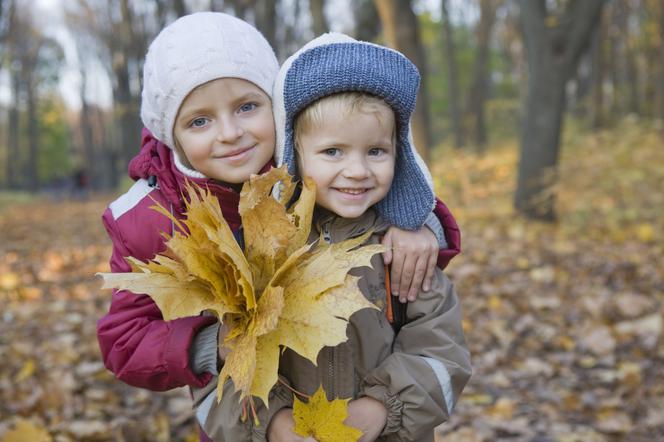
(25, 430)
(284, 293)
(323, 420)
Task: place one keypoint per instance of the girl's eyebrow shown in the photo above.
(185, 117)
(190, 113)
(250, 96)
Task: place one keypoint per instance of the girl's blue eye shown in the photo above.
(199, 122)
(332, 151)
(248, 107)
(376, 151)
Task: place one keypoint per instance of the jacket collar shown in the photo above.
(340, 228)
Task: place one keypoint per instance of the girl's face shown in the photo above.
(351, 159)
(225, 128)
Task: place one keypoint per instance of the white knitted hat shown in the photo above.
(193, 50)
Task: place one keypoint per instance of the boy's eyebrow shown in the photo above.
(331, 141)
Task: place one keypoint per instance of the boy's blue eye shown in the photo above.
(376, 151)
(248, 107)
(332, 151)
(199, 122)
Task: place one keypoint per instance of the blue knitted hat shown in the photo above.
(334, 63)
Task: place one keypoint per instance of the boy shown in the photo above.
(342, 110)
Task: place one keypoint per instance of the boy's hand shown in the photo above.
(281, 428)
(413, 257)
(367, 415)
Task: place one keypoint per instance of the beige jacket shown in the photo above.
(418, 373)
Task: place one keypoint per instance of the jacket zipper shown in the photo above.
(330, 374)
(330, 384)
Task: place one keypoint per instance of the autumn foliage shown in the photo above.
(285, 293)
(564, 321)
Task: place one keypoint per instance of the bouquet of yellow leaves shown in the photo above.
(279, 293)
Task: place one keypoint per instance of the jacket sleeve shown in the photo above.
(420, 382)
(452, 234)
(223, 421)
(136, 343)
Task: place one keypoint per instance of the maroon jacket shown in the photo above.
(137, 344)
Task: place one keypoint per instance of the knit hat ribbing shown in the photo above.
(334, 63)
(194, 50)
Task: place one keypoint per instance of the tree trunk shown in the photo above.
(480, 88)
(367, 22)
(553, 54)
(659, 94)
(13, 148)
(317, 9)
(402, 33)
(616, 58)
(32, 172)
(266, 13)
(453, 75)
(598, 71)
(89, 164)
(126, 106)
(180, 8)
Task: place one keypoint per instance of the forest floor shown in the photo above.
(564, 321)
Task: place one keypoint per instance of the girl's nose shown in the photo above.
(229, 130)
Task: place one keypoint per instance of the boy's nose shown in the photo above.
(229, 130)
(356, 168)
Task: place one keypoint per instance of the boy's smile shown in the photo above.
(351, 159)
(225, 129)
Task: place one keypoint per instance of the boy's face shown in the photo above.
(225, 128)
(351, 159)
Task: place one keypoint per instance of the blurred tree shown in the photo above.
(215, 6)
(554, 42)
(453, 76)
(180, 8)
(117, 33)
(317, 9)
(6, 10)
(266, 20)
(12, 67)
(598, 72)
(622, 64)
(55, 159)
(367, 21)
(292, 35)
(35, 62)
(401, 31)
(659, 81)
(479, 90)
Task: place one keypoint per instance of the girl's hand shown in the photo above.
(367, 415)
(413, 257)
(281, 428)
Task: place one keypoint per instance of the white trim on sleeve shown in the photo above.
(444, 380)
(130, 199)
(204, 409)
